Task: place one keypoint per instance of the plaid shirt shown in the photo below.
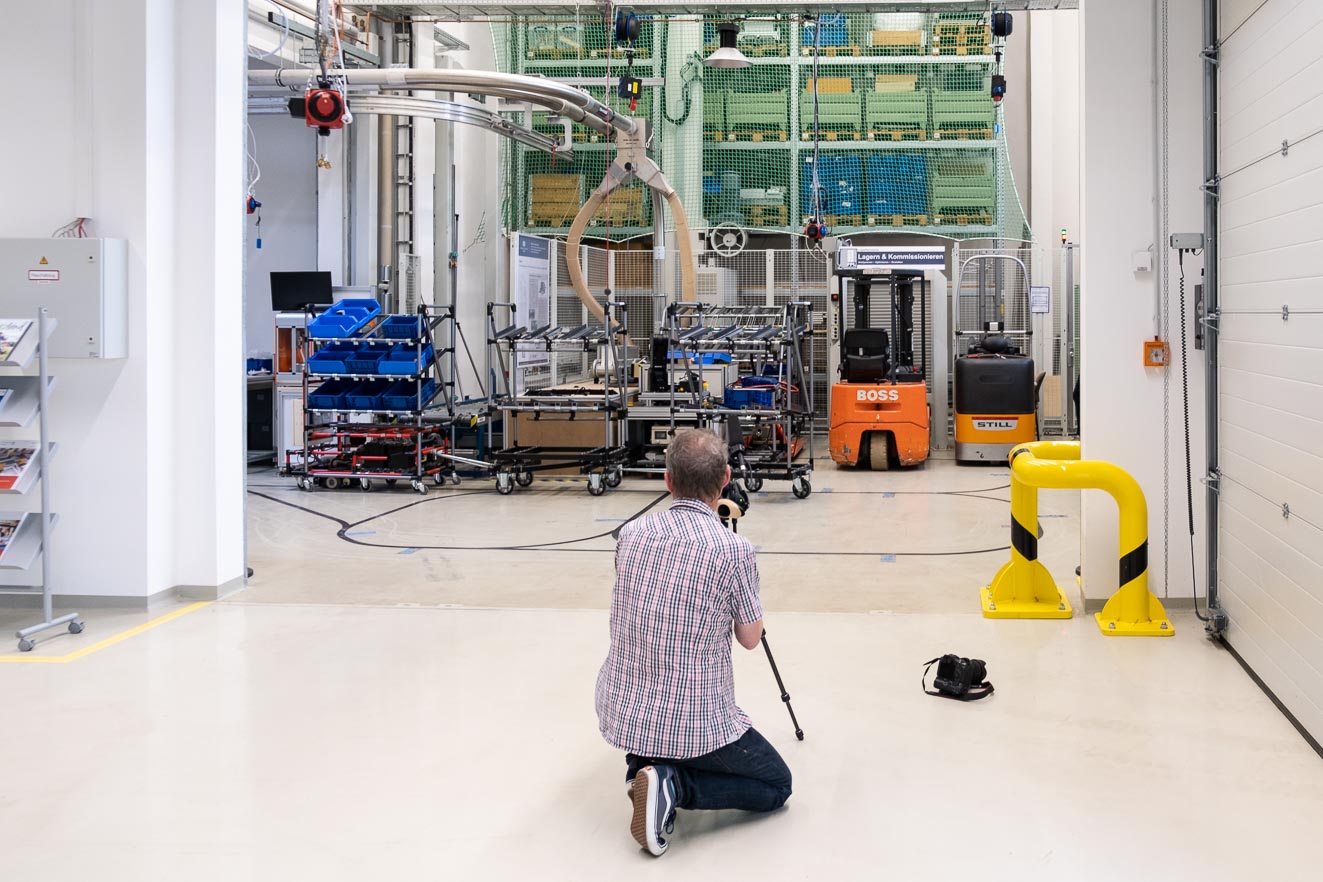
(666, 690)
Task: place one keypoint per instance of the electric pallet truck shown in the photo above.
(879, 406)
(996, 392)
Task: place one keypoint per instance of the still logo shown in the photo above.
(1003, 425)
(877, 395)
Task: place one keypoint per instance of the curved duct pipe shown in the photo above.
(631, 159)
(572, 102)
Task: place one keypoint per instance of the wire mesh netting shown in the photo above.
(892, 110)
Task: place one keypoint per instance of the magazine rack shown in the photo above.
(22, 399)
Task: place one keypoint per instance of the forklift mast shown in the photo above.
(902, 297)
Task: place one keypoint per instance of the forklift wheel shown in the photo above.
(879, 453)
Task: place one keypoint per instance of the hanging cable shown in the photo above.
(284, 37)
(1189, 470)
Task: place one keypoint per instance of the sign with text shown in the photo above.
(915, 257)
(530, 292)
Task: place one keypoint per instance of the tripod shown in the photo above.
(730, 512)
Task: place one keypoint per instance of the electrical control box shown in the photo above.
(83, 282)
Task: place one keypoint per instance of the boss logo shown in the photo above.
(996, 425)
(878, 395)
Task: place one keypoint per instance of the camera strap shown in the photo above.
(977, 691)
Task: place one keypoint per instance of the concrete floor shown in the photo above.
(414, 700)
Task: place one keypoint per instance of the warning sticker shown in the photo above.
(43, 275)
(44, 262)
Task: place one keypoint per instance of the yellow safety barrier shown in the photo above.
(1024, 589)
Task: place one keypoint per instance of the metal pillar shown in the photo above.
(1211, 300)
(1072, 418)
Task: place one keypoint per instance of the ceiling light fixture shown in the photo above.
(726, 56)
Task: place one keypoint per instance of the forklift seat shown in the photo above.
(866, 355)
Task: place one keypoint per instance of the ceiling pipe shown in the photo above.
(558, 97)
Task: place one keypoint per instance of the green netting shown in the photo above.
(908, 137)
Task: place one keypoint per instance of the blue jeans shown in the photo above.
(746, 774)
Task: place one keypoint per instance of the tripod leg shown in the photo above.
(785, 696)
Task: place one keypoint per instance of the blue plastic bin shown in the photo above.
(898, 184)
(700, 357)
(834, 31)
(403, 360)
(402, 327)
(331, 394)
(367, 395)
(403, 395)
(344, 318)
(330, 359)
(367, 358)
(750, 396)
(842, 181)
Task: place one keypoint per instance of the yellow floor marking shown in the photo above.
(27, 658)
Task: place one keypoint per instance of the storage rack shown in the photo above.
(515, 464)
(775, 342)
(358, 429)
(28, 397)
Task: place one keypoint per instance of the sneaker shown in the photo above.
(653, 795)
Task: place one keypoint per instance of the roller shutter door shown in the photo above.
(1270, 537)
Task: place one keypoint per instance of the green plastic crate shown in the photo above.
(714, 111)
(965, 187)
(752, 110)
(895, 110)
(963, 110)
(835, 111)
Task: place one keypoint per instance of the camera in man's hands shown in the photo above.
(964, 679)
(734, 502)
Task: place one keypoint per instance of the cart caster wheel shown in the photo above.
(504, 484)
(418, 487)
(613, 478)
(332, 483)
(26, 645)
(365, 484)
(801, 488)
(304, 484)
(753, 484)
(524, 479)
(76, 627)
(454, 478)
(439, 479)
(596, 486)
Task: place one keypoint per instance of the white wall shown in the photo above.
(286, 150)
(1053, 194)
(162, 169)
(1122, 401)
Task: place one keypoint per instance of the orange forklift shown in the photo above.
(879, 404)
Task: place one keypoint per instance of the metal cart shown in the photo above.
(602, 394)
(766, 434)
(367, 420)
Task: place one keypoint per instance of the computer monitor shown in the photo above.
(294, 292)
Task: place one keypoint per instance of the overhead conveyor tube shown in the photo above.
(572, 102)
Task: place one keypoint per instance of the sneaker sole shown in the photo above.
(641, 822)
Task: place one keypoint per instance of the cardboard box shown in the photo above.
(830, 85)
(895, 82)
(585, 431)
(897, 38)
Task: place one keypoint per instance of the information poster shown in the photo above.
(530, 284)
(1040, 299)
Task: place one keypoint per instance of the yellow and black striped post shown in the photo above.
(1133, 610)
(1023, 588)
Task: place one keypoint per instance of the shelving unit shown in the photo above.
(30, 538)
(394, 422)
(947, 63)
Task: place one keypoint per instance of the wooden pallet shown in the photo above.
(565, 54)
(844, 220)
(715, 134)
(757, 135)
(964, 50)
(962, 134)
(834, 134)
(982, 219)
(898, 220)
(640, 54)
(767, 215)
(834, 51)
(765, 50)
(542, 216)
(897, 135)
